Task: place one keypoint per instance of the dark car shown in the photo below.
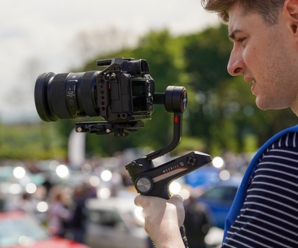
(219, 199)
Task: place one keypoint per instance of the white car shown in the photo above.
(115, 223)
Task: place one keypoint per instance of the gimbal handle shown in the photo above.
(155, 181)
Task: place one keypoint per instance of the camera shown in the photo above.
(122, 92)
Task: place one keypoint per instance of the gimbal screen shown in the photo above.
(139, 96)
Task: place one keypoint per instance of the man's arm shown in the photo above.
(163, 219)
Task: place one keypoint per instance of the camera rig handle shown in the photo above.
(154, 180)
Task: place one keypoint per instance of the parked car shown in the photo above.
(114, 223)
(18, 230)
(219, 199)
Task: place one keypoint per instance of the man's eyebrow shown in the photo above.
(232, 35)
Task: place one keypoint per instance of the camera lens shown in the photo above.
(66, 95)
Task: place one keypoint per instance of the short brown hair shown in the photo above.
(268, 9)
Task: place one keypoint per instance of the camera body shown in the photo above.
(125, 90)
(121, 92)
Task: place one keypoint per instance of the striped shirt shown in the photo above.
(269, 216)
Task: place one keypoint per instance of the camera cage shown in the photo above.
(116, 102)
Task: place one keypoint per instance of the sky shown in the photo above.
(39, 36)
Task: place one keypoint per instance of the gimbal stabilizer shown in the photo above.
(123, 93)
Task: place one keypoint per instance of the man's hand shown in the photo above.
(163, 218)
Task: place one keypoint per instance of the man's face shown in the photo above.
(265, 56)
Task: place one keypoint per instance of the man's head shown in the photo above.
(268, 9)
(265, 47)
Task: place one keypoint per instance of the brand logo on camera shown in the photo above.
(174, 167)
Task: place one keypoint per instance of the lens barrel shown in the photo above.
(66, 95)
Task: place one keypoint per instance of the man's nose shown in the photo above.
(236, 64)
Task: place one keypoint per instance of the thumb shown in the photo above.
(178, 202)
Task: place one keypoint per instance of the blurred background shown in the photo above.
(75, 186)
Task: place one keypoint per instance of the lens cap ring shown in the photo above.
(40, 97)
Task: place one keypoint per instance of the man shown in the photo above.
(265, 210)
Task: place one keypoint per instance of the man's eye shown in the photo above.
(240, 40)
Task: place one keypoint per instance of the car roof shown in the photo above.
(11, 215)
(48, 242)
(119, 204)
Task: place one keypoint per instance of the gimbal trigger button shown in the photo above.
(144, 185)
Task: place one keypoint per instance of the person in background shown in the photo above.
(197, 222)
(26, 205)
(264, 213)
(77, 222)
(58, 214)
(2, 203)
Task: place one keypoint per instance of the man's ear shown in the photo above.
(291, 12)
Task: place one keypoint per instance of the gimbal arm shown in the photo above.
(154, 181)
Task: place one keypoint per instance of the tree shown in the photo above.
(206, 55)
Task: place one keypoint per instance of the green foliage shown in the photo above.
(31, 141)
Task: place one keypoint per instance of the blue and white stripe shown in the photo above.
(269, 216)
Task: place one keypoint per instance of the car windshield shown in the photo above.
(20, 231)
(222, 193)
